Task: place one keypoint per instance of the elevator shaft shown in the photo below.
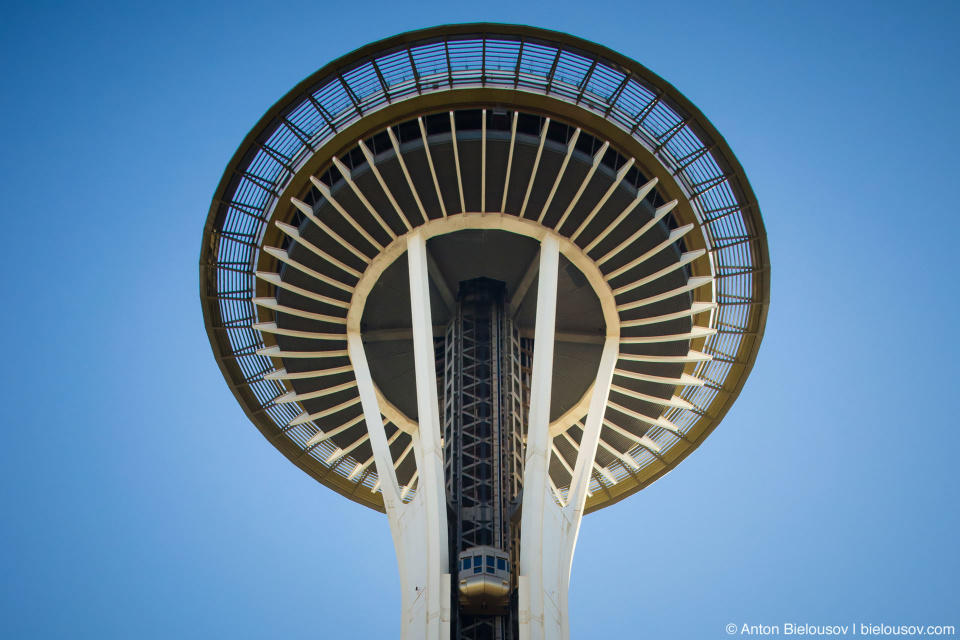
(485, 396)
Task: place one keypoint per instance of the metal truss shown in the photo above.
(483, 418)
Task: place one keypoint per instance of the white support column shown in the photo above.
(410, 574)
(549, 530)
(420, 541)
(538, 609)
(580, 483)
(429, 450)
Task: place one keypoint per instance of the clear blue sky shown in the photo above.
(138, 502)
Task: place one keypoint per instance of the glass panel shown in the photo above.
(477, 561)
(490, 561)
(501, 564)
(477, 569)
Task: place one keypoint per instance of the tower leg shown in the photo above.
(538, 611)
(419, 527)
(549, 530)
(430, 451)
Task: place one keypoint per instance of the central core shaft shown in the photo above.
(485, 397)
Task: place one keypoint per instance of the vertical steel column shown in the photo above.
(549, 530)
(409, 525)
(429, 453)
(536, 486)
(572, 511)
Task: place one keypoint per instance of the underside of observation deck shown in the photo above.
(485, 123)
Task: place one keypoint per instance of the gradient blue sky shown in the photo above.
(138, 502)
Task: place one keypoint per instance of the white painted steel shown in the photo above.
(273, 305)
(693, 334)
(339, 453)
(692, 356)
(429, 453)
(683, 380)
(673, 401)
(658, 421)
(643, 441)
(546, 553)
(625, 458)
(695, 309)
(583, 185)
(307, 210)
(603, 200)
(563, 169)
(692, 187)
(283, 256)
(418, 539)
(433, 172)
(506, 180)
(346, 173)
(483, 163)
(406, 173)
(551, 518)
(307, 417)
(325, 191)
(675, 235)
(321, 435)
(274, 352)
(283, 374)
(538, 615)
(684, 260)
(657, 216)
(536, 165)
(383, 185)
(456, 162)
(692, 283)
(293, 396)
(294, 234)
(641, 194)
(271, 327)
(362, 466)
(275, 280)
(596, 467)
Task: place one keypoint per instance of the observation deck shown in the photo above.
(485, 139)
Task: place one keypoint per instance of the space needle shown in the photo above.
(485, 279)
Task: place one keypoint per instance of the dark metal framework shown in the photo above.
(485, 387)
(483, 63)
